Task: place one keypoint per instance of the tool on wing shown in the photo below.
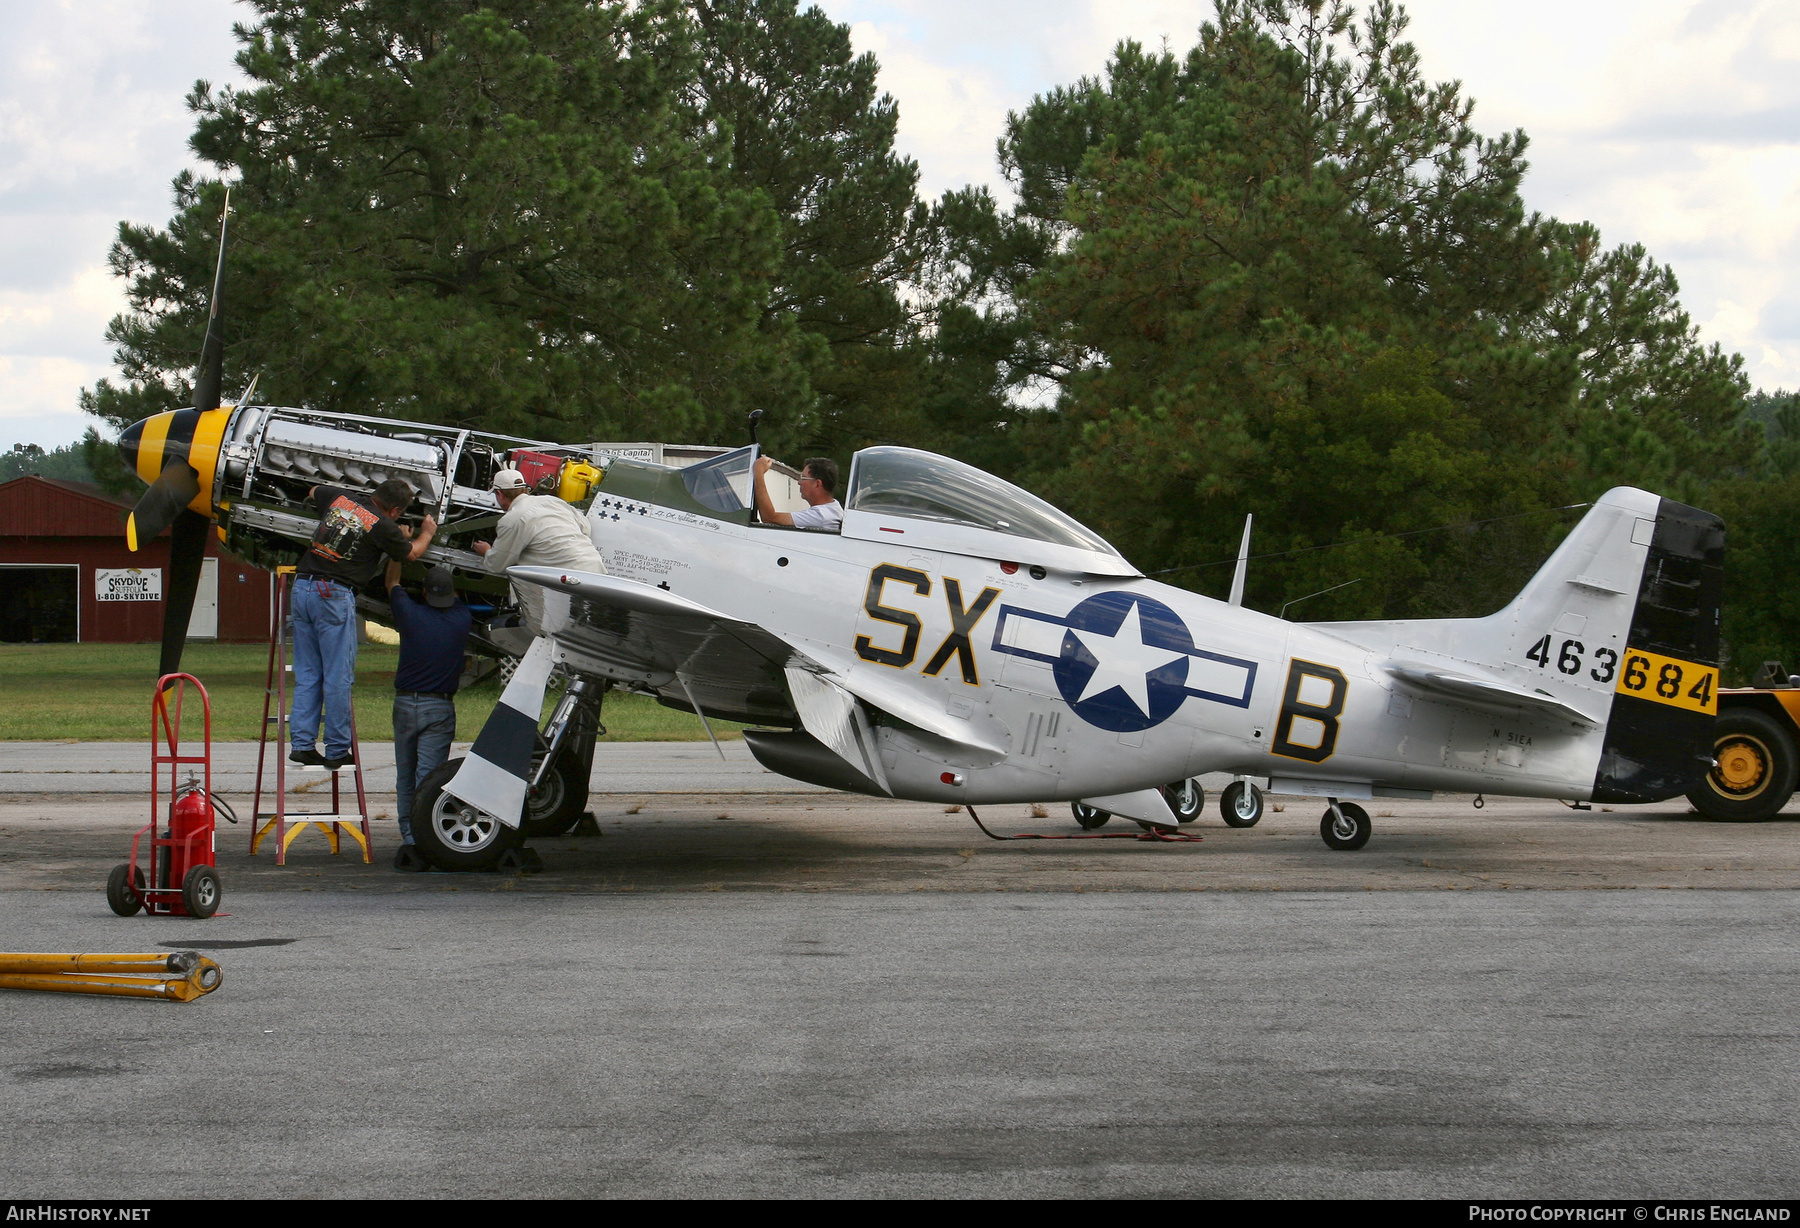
(174, 976)
(182, 881)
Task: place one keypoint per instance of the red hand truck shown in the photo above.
(182, 881)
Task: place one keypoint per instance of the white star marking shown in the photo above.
(1125, 661)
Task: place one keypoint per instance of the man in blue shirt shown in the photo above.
(434, 637)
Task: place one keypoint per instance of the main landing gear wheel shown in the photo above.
(1088, 816)
(453, 835)
(119, 896)
(1186, 798)
(1347, 828)
(556, 802)
(1754, 768)
(1241, 804)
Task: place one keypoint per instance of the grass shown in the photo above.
(101, 693)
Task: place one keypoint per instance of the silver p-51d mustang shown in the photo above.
(963, 641)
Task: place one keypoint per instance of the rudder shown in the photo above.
(1659, 734)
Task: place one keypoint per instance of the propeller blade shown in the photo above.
(187, 547)
(160, 505)
(209, 377)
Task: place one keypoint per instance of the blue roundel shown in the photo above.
(1124, 661)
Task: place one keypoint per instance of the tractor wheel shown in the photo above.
(453, 835)
(1754, 768)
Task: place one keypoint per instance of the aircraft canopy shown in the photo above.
(924, 486)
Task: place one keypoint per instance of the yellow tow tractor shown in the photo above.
(1754, 758)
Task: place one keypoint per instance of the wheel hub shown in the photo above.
(1342, 825)
(462, 827)
(1743, 765)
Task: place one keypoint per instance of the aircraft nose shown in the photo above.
(129, 439)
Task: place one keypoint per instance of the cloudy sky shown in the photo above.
(1672, 123)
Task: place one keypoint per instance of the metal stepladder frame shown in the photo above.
(288, 826)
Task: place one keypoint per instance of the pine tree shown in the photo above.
(507, 216)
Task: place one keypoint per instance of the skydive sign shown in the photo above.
(128, 584)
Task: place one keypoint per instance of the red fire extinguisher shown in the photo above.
(191, 833)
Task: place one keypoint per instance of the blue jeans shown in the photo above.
(324, 663)
(424, 727)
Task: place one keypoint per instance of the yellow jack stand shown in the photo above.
(179, 976)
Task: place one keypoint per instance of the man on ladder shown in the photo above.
(354, 532)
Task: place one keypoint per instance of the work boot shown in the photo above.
(309, 757)
(332, 765)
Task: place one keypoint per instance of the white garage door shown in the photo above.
(203, 624)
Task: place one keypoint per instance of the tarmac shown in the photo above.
(749, 987)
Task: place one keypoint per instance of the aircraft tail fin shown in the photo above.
(1619, 628)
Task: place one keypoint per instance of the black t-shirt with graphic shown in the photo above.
(351, 538)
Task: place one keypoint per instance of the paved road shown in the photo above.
(89, 768)
(1567, 1044)
(736, 990)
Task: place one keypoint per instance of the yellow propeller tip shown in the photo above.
(131, 532)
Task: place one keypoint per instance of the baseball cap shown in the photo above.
(440, 590)
(509, 480)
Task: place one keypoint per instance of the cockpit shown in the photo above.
(919, 498)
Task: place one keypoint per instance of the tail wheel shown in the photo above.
(1346, 830)
(1754, 769)
(1088, 816)
(453, 835)
(1186, 798)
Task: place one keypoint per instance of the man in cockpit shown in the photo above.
(536, 531)
(818, 486)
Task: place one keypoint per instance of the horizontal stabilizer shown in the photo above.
(1489, 693)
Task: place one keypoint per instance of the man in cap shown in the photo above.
(536, 531)
(434, 638)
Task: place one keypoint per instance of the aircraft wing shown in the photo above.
(1487, 692)
(683, 650)
(728, 667)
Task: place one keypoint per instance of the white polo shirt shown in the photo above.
(824, 516)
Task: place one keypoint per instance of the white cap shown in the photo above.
(509, 480)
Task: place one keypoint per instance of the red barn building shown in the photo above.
(66, 576)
